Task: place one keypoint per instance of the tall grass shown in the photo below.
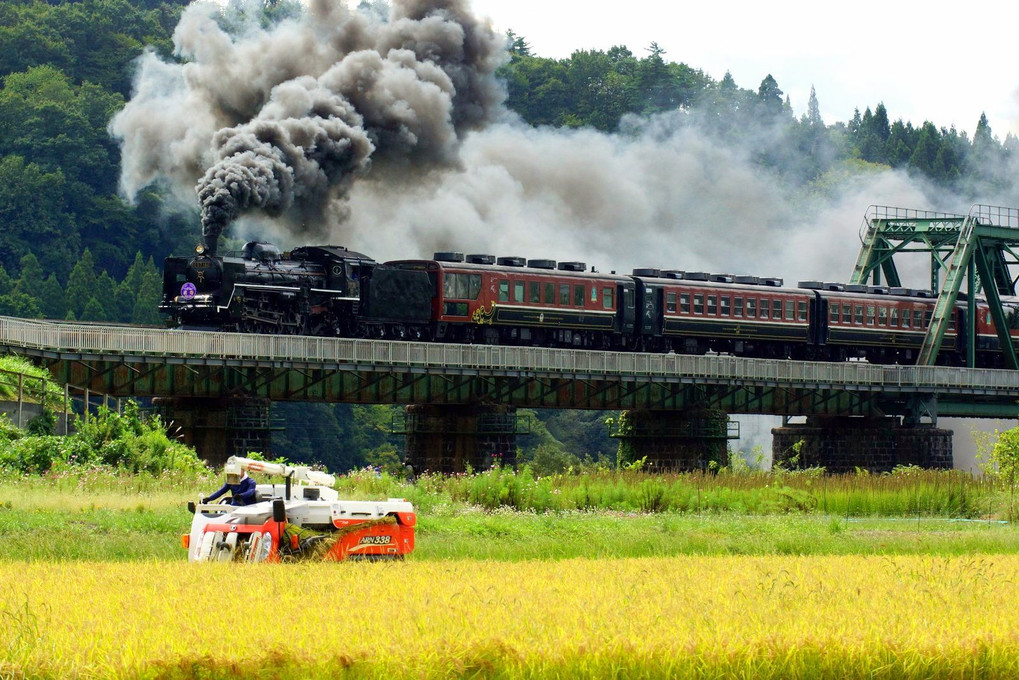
(907, 493)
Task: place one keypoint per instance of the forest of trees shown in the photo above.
(71, 248)
(598, 89)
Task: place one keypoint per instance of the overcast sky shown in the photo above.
(946, 64)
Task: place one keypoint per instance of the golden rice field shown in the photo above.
(747, 617)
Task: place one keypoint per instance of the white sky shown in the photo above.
(943, 63)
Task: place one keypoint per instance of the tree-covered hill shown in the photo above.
(598, 89)
(67, 239)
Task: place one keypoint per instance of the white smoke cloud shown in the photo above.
(678, 201)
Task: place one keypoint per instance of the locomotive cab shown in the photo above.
(260, 251)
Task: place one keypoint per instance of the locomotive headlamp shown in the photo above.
(200, 249)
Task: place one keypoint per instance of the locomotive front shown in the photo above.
(312, 290)
(208, 291)
(191, 288)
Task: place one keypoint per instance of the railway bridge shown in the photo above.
(461, 399)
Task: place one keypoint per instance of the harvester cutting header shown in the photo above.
(302, 518)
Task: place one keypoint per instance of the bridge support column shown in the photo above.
(842, 445)
(448, 439)
(695, 439)
(219, 428)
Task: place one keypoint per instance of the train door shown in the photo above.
(649, 309)
(626, 311)
(819, 330)
(961, 336)
(657, 318)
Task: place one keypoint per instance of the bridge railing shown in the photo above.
(197, 347)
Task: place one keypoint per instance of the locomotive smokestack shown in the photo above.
(284, 120)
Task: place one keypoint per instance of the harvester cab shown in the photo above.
(300, 518)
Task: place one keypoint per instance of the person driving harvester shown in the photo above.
(240, 486)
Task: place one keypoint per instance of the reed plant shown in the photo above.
(909, 492)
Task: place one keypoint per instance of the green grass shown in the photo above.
(906, 493)
(104, 516)
(506, 535)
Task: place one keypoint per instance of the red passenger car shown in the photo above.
(511, 300)
(694, 312)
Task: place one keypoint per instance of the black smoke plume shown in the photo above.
(283, 120)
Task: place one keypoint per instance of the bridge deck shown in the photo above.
(113, 358)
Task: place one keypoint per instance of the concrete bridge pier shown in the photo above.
(843, 444)
(449, 438)
(219, 428)
(695, 439)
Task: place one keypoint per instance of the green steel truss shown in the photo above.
(979, 247)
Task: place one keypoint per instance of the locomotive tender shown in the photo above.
(329, 290)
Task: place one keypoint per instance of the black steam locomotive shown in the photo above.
(329, 290)
(314, 290)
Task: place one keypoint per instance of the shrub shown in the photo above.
(125, 441)
(8, 430)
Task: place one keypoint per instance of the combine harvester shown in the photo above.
(300, 519)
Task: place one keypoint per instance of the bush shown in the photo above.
(8, 430)
(124, 441)
(550, 459)
(31, 455)
(43, 424)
